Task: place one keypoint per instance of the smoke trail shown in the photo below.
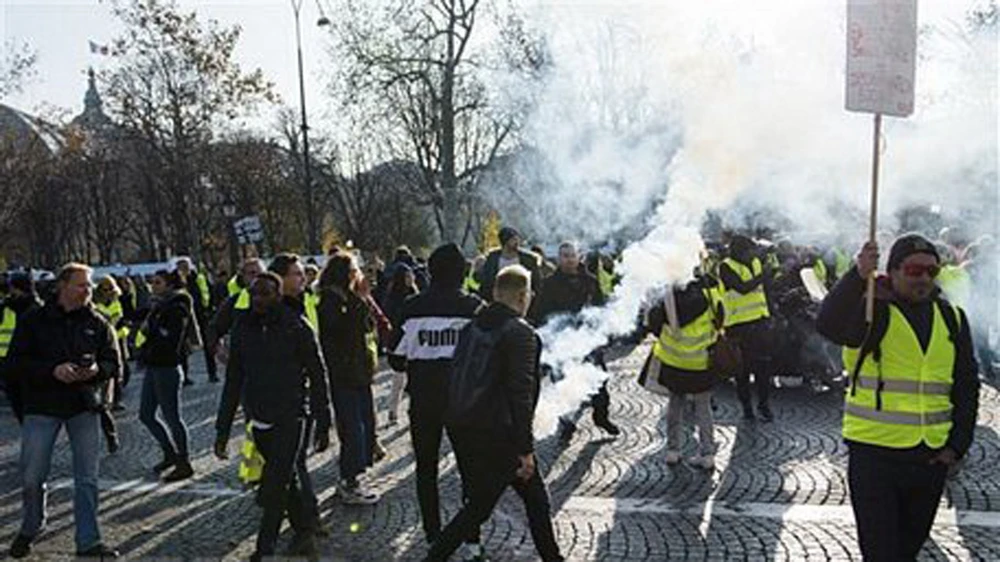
(738, 105)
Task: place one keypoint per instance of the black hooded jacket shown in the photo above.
(276, 370)
(166, 330)
(49, 336)
(423, 340)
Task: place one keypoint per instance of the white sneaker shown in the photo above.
(673, 457)
(357, 495)
(706, 462)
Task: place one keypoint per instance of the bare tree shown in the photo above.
(413, 66)
(17, 66)
(174, 83)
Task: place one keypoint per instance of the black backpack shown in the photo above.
(472, 385)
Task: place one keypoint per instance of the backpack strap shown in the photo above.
(950, 315)
(872, 345)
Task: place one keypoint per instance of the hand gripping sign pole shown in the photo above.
(881, 72)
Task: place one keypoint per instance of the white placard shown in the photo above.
(881, 56)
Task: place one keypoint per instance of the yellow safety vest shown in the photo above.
(233, 286)
(311, 302)
(688, 348)
(206, 293)
(471, 284)
(605, 280)
(844, 263)
(821, 271)
(243, 301)
(775, 263)
(956, 283)
(915, 388)
(113, 313)
(7, 330)
(251, 461)
(740, 308)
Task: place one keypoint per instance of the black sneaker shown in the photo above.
(748, 414)
(182, 471)
(188, 382)
(163, 465)
(98, 551)
(213, 379)
(21, 546)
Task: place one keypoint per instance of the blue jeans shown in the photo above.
(352, 407)
(161, 388)
(38, 437)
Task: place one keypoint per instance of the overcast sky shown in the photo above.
(60, 30)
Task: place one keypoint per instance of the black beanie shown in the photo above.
(907, 245)
(506, 233)
(447, 265)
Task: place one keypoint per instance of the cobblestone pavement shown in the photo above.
(779, 491)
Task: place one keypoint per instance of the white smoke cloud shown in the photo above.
(715, 104)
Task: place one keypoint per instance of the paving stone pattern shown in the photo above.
(779, 492)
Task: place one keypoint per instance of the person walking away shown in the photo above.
(684, 365)
(163, 337)
(492, 436)
(912, 397)
(402, 286)
(350, 347)
(60, 354)
(571, 289)
(22, 300)
(422, 346)
(276, 371)
(748, 322)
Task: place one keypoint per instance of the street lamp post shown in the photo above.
(311, 234)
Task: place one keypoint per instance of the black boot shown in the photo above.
(765, 412)
(748, 412)
(604, 423)
(182, 471)
(168, 462)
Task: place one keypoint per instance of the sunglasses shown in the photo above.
(920, 270)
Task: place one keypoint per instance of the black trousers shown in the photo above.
(426, 432)
(755, 345)
(894, 503)
(285, 486)
(490, 467)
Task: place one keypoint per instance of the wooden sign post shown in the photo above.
(881, 74)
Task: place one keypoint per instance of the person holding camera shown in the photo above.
(62, 354)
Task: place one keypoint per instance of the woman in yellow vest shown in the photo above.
(682, 350)
(108, 302)
(912, 398)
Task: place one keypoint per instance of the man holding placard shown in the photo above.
(913, 392)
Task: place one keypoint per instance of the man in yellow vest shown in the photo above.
(913, 394)
(748, 321)
(196, 284)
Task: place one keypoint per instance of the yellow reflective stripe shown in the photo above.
(906, 387)
(694, 341)
(683, 353)
(898, 418)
